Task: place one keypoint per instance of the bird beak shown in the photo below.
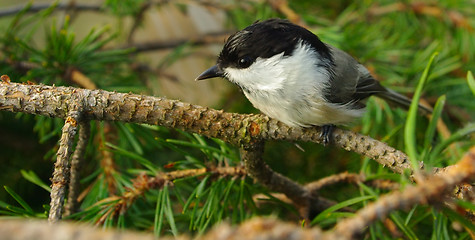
(212, 72)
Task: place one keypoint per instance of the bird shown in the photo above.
(290, 75)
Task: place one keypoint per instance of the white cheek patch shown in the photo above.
(264, 74)
(278, 72)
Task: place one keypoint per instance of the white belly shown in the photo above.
(304, 112)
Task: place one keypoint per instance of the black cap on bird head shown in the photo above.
(262, 39)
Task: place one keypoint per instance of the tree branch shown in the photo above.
(61, 167)
(234, 128)
(257, 168)
(76, 163)
(430, 190)
(256, 228)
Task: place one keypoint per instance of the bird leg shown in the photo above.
(326, 134)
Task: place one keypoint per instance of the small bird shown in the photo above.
(289, 74)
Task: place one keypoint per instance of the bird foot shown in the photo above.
(327, 132)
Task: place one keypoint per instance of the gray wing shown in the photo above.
(351, 81)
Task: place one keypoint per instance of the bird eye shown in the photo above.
(244, 62)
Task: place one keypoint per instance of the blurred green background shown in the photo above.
(159, 47)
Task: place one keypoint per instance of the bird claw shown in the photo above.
(326, 134)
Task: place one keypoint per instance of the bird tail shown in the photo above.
(401, 100)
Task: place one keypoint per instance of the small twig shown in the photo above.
(68, 15)
(144, 183)
(426, 191)
(38, 7)
(350, 178)
(383, 184)
(308, 203)
(392, 228)
(76, 163)
(307, 212)
(333, 179)
(61, 167)
(263, 198)
(107, 161)
(211, 38)
(138, 20)
(220, 171)
(79, 78)
(260, 171)
(283, 7)
(423, 8)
